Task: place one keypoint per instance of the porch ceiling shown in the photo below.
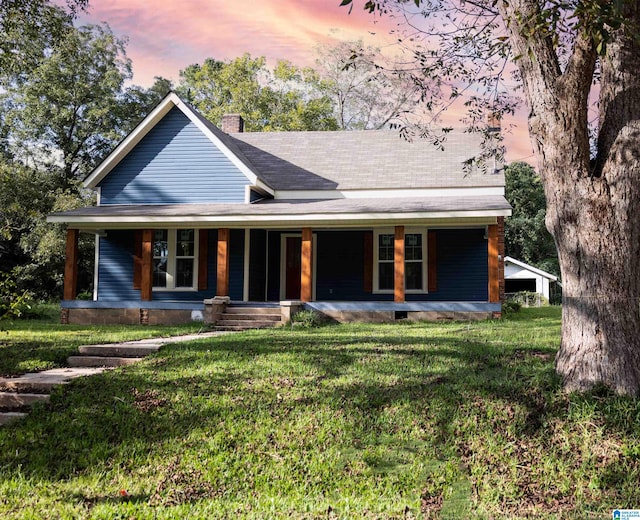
(288, 213)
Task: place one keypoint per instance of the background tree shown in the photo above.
(67, 114)
(526, 236)
(282, 99)
(28, 28)
(365, 92)
(63, 106)
(561, 49)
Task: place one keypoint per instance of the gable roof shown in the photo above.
(325, 161)
(213, 133)
(527, 267)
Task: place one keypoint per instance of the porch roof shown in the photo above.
(288, 213)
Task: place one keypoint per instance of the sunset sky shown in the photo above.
(165, 36)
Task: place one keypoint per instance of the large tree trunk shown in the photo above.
(593, 206)
(597, 229)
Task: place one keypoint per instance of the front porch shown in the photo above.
(365, 274)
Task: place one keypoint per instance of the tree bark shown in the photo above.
(593, 207)
(599, 239)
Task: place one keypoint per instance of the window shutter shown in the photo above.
(432, 261)
(137, 259)
(203, 259)
(368, 261)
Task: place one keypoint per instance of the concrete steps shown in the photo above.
(101, 361)
(9, 417)
(245, 318)
(122, 351)
(17, 394)
(17, 401)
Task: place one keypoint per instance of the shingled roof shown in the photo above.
(356, 160)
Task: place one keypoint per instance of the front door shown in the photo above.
(293, 267)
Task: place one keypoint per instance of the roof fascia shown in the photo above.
(323, 219)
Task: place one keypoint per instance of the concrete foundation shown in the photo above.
(130, 316)
(343, 316)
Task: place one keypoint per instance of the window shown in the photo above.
(414, 262)
(174, 259)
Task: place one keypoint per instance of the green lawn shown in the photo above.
(454, 420)
(35, 345)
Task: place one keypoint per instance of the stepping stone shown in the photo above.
(13, 400)
(9, 417)
(101, 361)
(119, 350)
(43, 382)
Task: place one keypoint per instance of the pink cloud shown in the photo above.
(166, 36)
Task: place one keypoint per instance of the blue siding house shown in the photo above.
(356, 225)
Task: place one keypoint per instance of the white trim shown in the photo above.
(95, 266)
(387, 193)
(172, 243)
(528, 267)
(129, 143)
(283, 262)
(242, 220)
(245, 283)
(376, 252)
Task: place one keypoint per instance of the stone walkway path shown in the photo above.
(17, 394)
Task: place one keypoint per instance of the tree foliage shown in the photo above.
(68, 113)
(557, 52)
(28, 28)
(285, 98)
(366, 94)
(63, 106)
(525, 232)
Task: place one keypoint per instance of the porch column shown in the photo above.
(222, 285)
(71, 265)
(306, 280)
(146, 278)
(494, 273)
(398, 262)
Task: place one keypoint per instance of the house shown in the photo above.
(356, 225)
(521, 277)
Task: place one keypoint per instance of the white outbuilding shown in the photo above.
(519, 277)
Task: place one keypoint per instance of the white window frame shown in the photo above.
(376, 259)
(172, 244)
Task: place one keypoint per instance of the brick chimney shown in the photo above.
(232, 123)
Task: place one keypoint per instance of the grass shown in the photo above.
(40, 344)
(440, 420)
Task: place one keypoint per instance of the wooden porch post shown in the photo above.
(494, 273)
(306, 280)
(222, 285)
(71, 265)
(398, 261)
(146, 278)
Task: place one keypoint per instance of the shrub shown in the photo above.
(13, 303)
(307, 319)
(511, 307)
